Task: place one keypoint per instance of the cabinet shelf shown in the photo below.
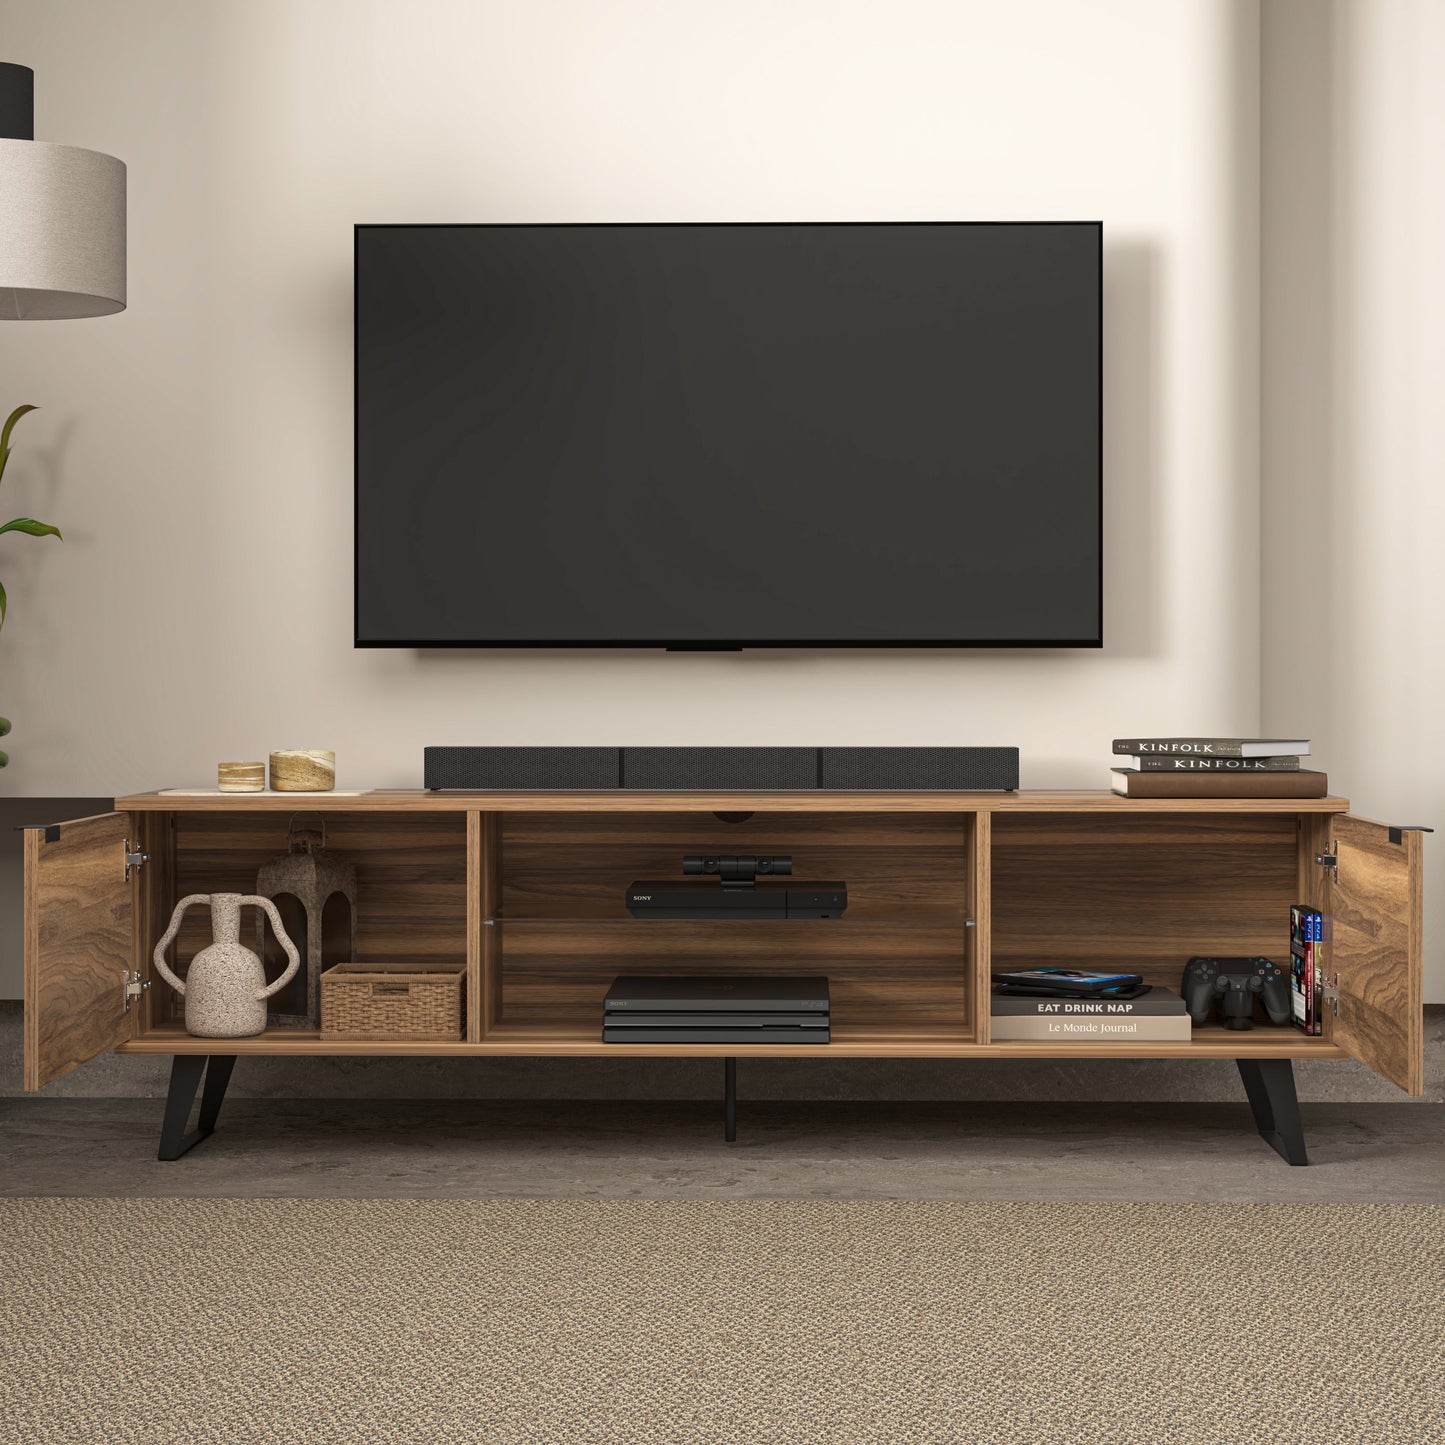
(928, 916)
(579, 1038)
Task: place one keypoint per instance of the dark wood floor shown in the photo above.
(474, 1149)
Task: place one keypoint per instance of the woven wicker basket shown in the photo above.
(392, 1001)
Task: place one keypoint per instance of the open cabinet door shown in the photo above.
(80, 943)
(1376, 919)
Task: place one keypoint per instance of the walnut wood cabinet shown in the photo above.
(526, 889)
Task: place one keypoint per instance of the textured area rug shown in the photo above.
(764, 1323)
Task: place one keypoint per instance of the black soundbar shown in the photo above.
(741, 770)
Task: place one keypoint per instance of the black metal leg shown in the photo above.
(218, 1075)
(730, 1100)
(1270, 1086)
(186, 1072)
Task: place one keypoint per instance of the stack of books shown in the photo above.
(1156, 1016)
(1175, 767)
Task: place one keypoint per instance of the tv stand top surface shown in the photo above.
(417, 800)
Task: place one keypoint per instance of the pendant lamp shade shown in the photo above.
(62, 224)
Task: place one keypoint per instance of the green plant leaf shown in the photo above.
(4, 726)
(3, 605)
(4, 760)
(5, 434)
(32, 528)
(10, 423)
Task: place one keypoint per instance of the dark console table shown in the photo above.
(527, 890)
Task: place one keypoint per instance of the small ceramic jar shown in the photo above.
(241, 777)
(303, 770)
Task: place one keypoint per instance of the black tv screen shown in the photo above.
(728, 435)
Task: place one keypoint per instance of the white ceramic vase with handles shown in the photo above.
(225, 988)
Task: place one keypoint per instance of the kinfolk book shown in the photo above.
(1192, 763)
(1213, 747)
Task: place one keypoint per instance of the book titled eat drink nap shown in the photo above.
(1155, 1003)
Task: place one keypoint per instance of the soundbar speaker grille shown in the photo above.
(537, 770)
(727, 769)
(927, 770)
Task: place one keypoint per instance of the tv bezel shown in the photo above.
(682, 644)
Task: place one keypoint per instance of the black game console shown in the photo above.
(1235, 983)
(718, 994)
(716, 1009)
(738, 892)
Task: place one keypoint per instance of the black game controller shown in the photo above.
(1236, 983)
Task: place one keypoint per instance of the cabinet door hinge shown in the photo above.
(1328, 989)
(1330, 861)
(133, 985)
(133, 858)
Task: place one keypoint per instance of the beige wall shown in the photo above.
(1353, 446)
(197, 449)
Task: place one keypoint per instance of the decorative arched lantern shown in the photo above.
(315, 894)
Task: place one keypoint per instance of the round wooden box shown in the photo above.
(303, 770)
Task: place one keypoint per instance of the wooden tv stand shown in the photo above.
(527, 889)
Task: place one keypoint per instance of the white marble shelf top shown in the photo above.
(263, 793)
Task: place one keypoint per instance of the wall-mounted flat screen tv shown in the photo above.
(716, 436)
